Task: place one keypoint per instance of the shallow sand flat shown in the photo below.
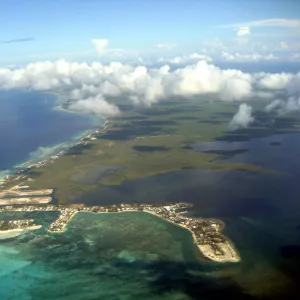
(9, 234)
(25, 200)
(229, 255)
(31, 192)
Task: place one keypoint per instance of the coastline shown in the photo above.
(206, 249)
(22, 168)
(34, 227)
(230, 253)
(11, 233)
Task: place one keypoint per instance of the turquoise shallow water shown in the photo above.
(137, 256)
(109, 256)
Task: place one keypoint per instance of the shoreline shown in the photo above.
(34, 227)
(205, 250)
(205, 232)
(11, 233)
(4, 179)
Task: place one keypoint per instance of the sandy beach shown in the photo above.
(230, 253)
(25, 200)
(7, 234)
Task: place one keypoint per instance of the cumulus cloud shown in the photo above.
(273, 106)
(281, 81)
(94, 105)
(275, 81)
(238, 57)
(136, 83)
(283, 107)
(244, 30)
(185, 59)
(243, 118)
(100, 45)
(91, 85)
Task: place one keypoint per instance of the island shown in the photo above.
(206, 232)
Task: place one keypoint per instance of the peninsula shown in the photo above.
(206, 232)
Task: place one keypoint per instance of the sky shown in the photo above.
(33, 30)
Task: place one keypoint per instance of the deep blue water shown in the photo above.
(280, 152)
(30, 120)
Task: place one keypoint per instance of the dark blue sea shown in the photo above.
(33, 128)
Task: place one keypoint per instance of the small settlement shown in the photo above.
(206, 232)
(24, 224)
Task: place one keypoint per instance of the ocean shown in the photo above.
(33, 128)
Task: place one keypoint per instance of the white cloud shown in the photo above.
(100, 45)
(280, 81)
(275, 81)
(290, 23)
(273, 106)
(283, 107)
(185, 59)
(238, 57)
(243, 118)
(91, 85)
(244, 30)
(137, 83)
(94, 105)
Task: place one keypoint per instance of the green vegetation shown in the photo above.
(143, 142)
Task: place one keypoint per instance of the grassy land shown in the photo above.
(144, 142)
